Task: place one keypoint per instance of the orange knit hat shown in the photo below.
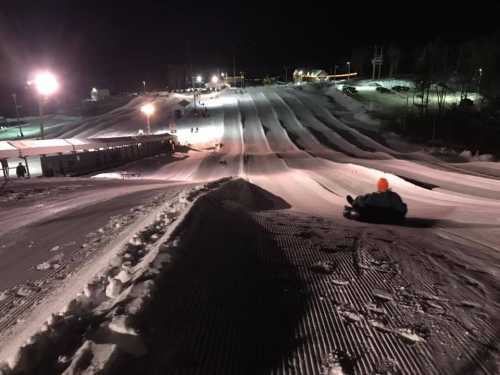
(382, 185)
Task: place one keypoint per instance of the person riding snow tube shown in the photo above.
(383, 206)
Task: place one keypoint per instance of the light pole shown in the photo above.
(234, 64)
(215, 81)
(335, 72)
(480, 70)
(199, 79)
(14, 96)
(46, 84)
(148, 110)
(144, 86)
(348, 68)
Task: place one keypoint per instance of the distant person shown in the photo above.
(382, 206)
(5, 168)
(21, 170)
(172, 145)
(192, 130)
(197, 129)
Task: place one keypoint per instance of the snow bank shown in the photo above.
(387, 83)
(106, 309)
(467, 155)
(116, 175)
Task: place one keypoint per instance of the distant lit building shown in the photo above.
(309, 75)
(99, 94)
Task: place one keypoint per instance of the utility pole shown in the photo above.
(377, 61)
(234, 64)
(188, 50)
(14, 96)
(381, 57)
(40, 114)
(480, 70)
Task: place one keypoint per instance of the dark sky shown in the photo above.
(120, 43)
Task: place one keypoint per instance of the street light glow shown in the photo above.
(215, 79)
(198, 79)
(46, 83)
(148, 109)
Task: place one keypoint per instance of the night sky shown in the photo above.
(117, 44)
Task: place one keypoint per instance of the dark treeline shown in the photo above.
(442, 67)
(471, 64)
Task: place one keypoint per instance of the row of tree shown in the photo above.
(439, 68)
(465, 66)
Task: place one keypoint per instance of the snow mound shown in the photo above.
(249, 196)
(110, 305)
(467, 155)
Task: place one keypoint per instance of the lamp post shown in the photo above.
(14, 96)
(148, 110)
(348, 68)
(480, 70)
(199, 79)
(144, 87)
(46, 84)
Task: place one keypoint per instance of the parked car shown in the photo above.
(349, 90)
(383, 90)
(401, 88)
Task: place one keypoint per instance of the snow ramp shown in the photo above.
(255, 288)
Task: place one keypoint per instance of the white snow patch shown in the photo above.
(124, 276)
(121, 324)
(108, 283)
(340, 282)
(383, 295)
(409, 335)
(43, 266)
(54, 263)
(114, 288)
(331, 365)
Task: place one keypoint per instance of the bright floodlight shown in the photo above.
(46, 83)
(215, 79)
(198, 79)
(148, 109)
